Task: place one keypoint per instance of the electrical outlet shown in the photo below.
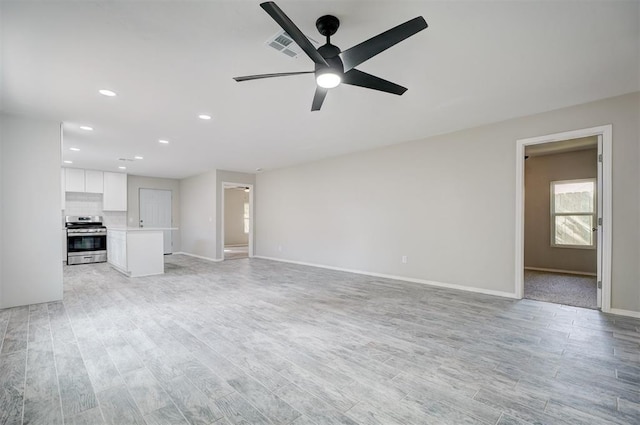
(404, 259)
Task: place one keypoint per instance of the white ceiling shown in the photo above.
(478, 62)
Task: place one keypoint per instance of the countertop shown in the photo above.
(141, 229)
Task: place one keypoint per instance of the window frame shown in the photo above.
(553, 214)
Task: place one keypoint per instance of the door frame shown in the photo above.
(229, 185)
(604, 237)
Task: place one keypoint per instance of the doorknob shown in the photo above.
(593, 229)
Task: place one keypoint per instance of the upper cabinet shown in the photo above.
(93, 181)
(74, 180)
(78, 180)
(115, 192)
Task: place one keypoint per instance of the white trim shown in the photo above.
(606, 131)
(229, 185)
(216, 260)
(407, 279)
(542, 269)
(628, 313)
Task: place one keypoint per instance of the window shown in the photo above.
(246, 217)
(573, 213)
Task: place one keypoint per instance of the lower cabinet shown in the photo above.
(136, 252)
(117, 248)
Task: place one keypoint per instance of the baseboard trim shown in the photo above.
(403, 278)
(215, 260)
(542, 269)
(628, 313)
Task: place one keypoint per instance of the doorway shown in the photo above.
(237, 218)
(572, 238)
(560, 237)
(155, 211)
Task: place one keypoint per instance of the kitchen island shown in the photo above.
(136, 251)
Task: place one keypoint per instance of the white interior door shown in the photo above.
(155, 211)
(598, 225)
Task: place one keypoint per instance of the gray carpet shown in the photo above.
(575, 290)
(236, 252)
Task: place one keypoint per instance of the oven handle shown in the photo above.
(74, 234)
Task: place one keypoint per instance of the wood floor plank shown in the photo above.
(274, 408)
(239, 411)
(194, 405)
(12, 371)
(118, 407)
(251, 341)
(76, 391)
(168, 415)
(87, 417)
(42, 397)
(16, 334)
(146, 391)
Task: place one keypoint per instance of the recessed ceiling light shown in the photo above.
(204, 117)
(106, 92)
(74, 149)
(68, 162)
(138, 157)
(86, 127)
(258, 169)
(164, 142)
(122, 167)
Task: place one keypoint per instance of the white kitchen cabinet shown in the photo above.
(78, 180)
(93, 181)
(136, 251)
(117, 249)
(74, 180)
(115, 192)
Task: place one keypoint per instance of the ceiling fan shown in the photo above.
(333, 66)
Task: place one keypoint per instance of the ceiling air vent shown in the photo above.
(283, 43)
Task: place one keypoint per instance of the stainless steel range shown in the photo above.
(86, 239)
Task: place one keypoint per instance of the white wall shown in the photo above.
(135, 183)
(447, 203)
(198, 215)
(30, 253)
(234, 200)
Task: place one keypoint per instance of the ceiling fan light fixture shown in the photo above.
(328, 79)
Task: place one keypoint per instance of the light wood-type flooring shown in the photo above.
(259, 342)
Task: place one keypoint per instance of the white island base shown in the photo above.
(136, 251)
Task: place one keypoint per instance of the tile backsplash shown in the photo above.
(91, 204)
(83, 203)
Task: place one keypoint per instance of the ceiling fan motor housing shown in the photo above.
(330, 54)
(327, 25)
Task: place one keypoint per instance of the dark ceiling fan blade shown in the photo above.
(287, 24)
(362, 79)
(281, 74)
(318, 98)
(367, 49)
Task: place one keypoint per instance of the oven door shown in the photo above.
(86, 248)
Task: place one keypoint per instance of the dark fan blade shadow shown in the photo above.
(280, 74)
(367, 49)
(318, 98)
(287, 24)
(362, 79)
